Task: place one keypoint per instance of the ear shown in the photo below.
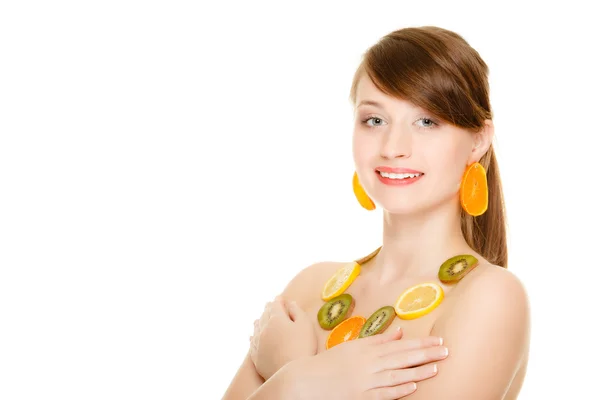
(482, 141)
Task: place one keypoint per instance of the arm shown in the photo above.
(276, 387)
(249, 385)
(487, 334)
(247, 380)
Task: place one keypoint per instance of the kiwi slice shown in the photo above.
(455, 268)
(335, 311)
(378, 322)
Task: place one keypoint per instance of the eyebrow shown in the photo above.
(376, 104)
(369, 103)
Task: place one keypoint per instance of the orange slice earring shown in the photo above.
(474, 190)
(363, 199)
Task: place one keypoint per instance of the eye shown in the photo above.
(377, 119)
(429, 123)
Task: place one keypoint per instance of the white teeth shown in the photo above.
(398, 176)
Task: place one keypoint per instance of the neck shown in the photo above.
(416, 245)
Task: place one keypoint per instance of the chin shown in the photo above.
(415, 205)
(402, 210)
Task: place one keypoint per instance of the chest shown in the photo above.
(368, 299)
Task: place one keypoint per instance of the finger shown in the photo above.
(392, 393)
(266, 312)
(412, 358)
(278, 307)
(395, 377)
(264, 317)
(385, 337)
(254, 343)
(295, 311)
(409, 344)
(256, 328)
(253, 348)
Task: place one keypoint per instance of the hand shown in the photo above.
(376, 367)
(284, 333)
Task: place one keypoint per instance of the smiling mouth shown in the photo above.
(402, 176)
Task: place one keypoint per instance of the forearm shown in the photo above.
(276, 387)
(249, 385)
(246, 381)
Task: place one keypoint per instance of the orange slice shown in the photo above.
(474, 190)
(362, 196)
(340, 281)
(347, 330)
(419, 300)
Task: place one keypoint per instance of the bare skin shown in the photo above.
(370, 296)
(484, 319)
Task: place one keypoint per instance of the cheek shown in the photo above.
(448, 162)
(362, 148)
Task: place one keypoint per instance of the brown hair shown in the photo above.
(438, 70)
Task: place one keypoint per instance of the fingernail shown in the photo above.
(444, 351)
(413, 386)
(435, 368)
(441, 341)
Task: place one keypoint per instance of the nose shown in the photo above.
(396, 144)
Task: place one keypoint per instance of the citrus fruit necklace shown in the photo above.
(336, 314)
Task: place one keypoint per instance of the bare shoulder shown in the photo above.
(490, 290)
(497, 286)
(305, 288)
(485, 326)
(496, 283)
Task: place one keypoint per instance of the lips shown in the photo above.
(400, 179)
(397, 170)
(398, 176)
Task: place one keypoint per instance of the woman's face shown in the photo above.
(397, 136)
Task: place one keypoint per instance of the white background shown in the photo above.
(167, 167)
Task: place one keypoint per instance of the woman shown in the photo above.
(423, 125)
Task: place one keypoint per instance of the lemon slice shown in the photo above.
(419, 300)
(340, 281)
